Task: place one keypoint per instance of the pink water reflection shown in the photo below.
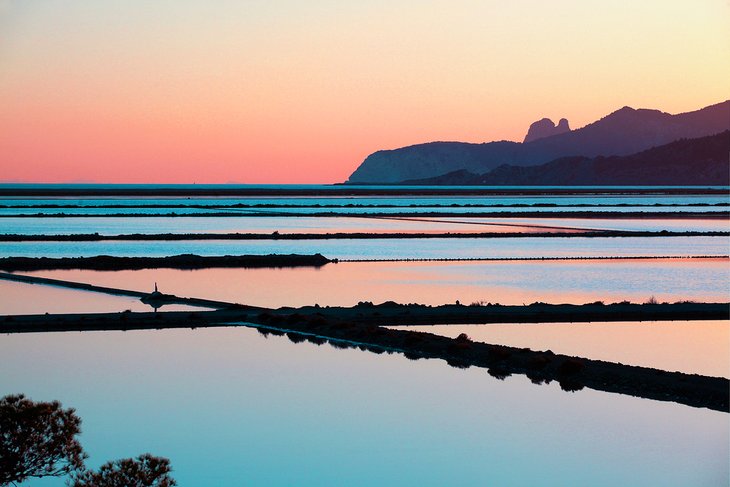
(435, 282)
(679, 224)
(18, 298)
(695, 347)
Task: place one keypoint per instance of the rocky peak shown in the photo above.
(546, 128)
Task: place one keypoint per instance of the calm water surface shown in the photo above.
(345, 211)
(439, 248)
(346, 283)
(19, 298)
(117, 226)
(231, 408)
(155, 225)
(693, 347)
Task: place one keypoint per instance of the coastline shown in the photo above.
(343, 189)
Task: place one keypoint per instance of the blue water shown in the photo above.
(231, 408)
(265, 224)
(435, 283)
(430, 248)
(343, 210)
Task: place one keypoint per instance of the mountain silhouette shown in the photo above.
(623, 132)
(546, 128)
(700, 161)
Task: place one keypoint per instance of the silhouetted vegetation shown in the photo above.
(571, 366)
(498, 372)
(295, 337)
(143, 471)
(316, 340)
(538, 362)
(183, 261)
(37, 439)
(570, 385)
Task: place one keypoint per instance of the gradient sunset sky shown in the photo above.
(184, 91)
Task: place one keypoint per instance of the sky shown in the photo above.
(285, 91)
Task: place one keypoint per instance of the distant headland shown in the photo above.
(556, 155)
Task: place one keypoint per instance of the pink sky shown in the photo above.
(286, 92)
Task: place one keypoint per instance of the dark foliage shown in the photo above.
(412, 356)
(294, 318)
(571, 366)
(457, 363)
(570, 385)
(184, 261)
(464, 338)
(499, 353)
(412, 339)
(37, 439)
(499, 372)
(316, 340)
(538, 362)
(340, 344)
(317, 322)
(143, 471)
(295, 337)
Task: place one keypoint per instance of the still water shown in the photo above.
(692, 347)
(187, 225)
(345, 210)
(264, 224)
(346, 283)
(230, 407)
(424, 248)
(19, 298)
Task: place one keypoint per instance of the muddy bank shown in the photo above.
(572, 373)
(95, 237)
(183, 261)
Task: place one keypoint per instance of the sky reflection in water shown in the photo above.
(347, 283)
(130, 225)
(693, 347)
(17, 298)
(439, 248)
(229, 407)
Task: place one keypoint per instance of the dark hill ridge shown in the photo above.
(546, 128)
(702, 161)
(623, 132)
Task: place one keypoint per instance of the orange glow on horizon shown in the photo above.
(281, 92)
